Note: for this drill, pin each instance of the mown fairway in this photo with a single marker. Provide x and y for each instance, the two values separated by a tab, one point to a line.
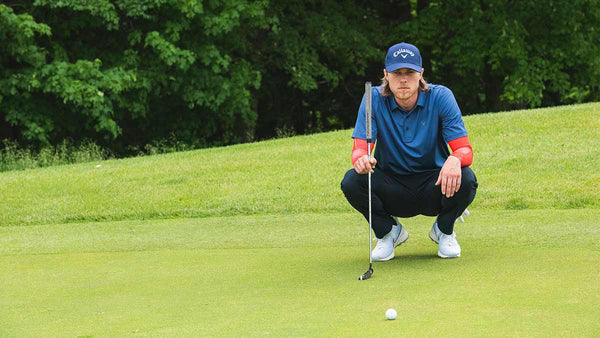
257	239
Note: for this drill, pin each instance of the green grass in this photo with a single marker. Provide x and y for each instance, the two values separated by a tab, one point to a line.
15	157
257	239
536	159
523	273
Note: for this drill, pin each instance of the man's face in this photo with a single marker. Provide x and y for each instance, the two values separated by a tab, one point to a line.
404	83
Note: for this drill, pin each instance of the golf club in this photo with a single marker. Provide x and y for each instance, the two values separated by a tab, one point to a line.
369	272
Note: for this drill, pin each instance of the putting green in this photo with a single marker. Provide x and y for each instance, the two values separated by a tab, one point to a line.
523	273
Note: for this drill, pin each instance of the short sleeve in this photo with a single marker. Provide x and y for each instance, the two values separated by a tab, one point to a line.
453	126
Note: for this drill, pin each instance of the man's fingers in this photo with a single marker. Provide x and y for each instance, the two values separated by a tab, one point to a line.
371	163
450	183
456	185
450	187
363	165
444	184
359	167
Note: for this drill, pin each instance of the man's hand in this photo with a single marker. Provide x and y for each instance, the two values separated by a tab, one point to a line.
362	165
450	176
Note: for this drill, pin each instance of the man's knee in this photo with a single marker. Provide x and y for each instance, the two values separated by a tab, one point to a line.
351	183
468	180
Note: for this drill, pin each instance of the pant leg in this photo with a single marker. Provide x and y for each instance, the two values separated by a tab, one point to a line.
388	197
449	209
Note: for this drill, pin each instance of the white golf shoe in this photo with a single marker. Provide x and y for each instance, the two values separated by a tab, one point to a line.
384	250
448	247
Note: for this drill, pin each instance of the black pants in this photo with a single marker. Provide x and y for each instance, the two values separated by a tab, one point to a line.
407	196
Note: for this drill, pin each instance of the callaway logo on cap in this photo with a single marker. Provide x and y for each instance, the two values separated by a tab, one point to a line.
403	55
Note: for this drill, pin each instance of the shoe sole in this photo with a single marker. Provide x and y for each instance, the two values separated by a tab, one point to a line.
400	240
384	259
444	256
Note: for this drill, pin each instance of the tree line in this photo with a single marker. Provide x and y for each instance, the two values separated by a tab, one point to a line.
124	73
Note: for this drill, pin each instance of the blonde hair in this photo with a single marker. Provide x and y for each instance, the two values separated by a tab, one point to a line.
385	86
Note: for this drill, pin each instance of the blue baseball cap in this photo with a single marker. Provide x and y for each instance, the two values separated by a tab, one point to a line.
403	55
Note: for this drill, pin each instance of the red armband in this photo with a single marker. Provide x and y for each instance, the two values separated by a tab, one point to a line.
461	148
359	149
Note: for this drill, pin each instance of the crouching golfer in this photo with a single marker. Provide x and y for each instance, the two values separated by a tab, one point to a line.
413	172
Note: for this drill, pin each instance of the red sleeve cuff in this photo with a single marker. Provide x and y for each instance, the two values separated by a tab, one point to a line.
461	148
359	149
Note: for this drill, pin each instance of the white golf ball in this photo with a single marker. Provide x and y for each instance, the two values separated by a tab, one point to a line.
390	314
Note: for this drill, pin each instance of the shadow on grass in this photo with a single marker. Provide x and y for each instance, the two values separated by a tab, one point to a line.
410	261
416	257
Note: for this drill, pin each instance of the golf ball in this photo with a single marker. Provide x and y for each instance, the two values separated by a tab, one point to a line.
390	314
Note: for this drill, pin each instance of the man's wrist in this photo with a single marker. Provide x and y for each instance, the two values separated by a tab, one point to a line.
456	156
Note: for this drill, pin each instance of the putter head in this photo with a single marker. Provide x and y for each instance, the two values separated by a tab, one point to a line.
366	275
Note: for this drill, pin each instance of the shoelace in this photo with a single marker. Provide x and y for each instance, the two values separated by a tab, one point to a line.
379	247
381	241
452	240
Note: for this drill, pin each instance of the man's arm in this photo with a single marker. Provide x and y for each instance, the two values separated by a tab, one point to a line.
450	175
455	133
360	160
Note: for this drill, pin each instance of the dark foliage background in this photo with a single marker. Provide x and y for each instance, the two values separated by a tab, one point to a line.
127	73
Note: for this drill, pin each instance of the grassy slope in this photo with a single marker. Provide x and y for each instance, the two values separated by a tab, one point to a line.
545	158
277	250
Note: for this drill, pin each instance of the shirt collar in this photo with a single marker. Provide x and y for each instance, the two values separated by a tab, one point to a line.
393	105
421	99
420	102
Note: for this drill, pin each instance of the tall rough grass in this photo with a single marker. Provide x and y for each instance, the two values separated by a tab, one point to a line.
15	157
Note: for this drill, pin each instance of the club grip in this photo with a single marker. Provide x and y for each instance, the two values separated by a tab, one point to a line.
368	110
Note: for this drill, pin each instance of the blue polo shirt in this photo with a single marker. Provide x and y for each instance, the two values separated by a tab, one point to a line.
416	141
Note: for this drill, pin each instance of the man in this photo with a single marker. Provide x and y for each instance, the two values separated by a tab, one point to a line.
413	173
